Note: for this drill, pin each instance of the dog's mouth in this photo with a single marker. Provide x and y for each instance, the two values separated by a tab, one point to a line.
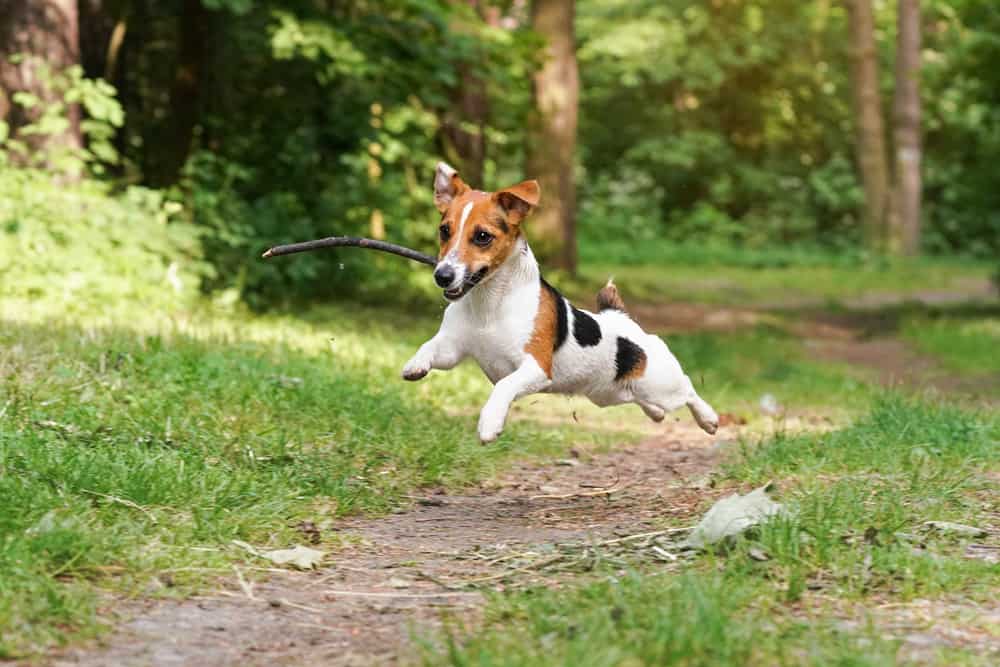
457	293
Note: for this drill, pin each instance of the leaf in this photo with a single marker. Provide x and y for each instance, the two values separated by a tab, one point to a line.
732	516
955	528
299	556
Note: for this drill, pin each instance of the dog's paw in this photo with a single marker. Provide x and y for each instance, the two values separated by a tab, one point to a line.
490	426
706	417
414	370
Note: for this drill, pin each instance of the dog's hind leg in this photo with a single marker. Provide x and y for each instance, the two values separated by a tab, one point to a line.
654	412
703	413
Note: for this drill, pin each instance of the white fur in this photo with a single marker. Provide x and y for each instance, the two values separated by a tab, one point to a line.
451	259
494	322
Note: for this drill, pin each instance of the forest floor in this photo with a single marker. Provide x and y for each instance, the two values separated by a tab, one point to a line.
464	561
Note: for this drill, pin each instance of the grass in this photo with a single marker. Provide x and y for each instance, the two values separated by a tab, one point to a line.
658	272
962	344
853	539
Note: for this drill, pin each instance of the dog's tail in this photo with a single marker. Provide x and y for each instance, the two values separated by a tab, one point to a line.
609	298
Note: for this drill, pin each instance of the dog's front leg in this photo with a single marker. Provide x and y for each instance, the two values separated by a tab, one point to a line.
439	352
527	379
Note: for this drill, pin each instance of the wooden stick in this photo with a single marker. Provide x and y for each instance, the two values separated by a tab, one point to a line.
344	241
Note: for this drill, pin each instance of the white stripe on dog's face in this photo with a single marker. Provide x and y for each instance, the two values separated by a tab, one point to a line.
451	259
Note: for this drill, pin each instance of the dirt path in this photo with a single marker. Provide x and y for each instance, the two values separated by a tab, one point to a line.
401	571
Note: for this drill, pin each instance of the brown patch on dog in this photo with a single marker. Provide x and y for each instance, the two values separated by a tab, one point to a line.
452	219
630	360
637	371
609	298
542	343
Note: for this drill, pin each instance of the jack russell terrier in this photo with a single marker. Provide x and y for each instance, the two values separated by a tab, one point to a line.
525	336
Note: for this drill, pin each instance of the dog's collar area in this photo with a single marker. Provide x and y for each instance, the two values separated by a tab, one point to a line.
458	292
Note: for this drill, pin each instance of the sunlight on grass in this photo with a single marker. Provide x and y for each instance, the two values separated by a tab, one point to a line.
963	344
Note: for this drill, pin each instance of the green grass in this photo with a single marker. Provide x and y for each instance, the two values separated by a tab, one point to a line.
963	344
659	272
121	448
857	497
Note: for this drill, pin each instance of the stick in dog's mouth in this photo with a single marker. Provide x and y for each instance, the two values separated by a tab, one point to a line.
349	241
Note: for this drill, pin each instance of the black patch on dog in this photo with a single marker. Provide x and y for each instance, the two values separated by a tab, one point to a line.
586	330
628	356
562	324
502	224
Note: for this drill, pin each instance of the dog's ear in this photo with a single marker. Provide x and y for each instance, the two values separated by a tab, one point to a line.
447	186
519	200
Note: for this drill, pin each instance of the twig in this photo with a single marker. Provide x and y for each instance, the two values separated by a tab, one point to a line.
407	596
296	605
123	501
352	241
244	584
507	573
664	554
639	536
578	494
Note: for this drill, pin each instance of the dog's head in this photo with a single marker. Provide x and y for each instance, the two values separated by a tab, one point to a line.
478	231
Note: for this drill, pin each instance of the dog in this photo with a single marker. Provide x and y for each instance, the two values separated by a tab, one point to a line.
525	336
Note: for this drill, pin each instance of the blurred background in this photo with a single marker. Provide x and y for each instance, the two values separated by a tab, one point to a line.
737	133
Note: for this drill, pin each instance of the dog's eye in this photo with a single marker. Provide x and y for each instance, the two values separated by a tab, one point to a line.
482	238
445	232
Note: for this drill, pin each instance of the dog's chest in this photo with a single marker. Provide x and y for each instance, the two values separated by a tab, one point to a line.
496	337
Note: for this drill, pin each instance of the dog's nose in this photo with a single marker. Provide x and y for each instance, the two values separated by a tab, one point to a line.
444	275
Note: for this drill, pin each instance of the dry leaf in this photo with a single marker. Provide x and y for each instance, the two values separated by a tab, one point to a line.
299	556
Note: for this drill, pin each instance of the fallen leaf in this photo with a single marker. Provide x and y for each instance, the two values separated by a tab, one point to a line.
732	516
299	556
955	528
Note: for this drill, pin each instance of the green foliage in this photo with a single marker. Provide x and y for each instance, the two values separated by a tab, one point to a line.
327	119
75	245
103	116
732	122
961	95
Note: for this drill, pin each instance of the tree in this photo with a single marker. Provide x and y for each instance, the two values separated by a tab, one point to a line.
869	127
464	130
551	138
185	94
904	232
41	32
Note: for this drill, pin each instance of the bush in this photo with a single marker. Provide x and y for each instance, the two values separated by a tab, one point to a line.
72	245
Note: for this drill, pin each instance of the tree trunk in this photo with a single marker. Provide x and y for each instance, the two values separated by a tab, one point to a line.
551	138
869	126
465	132
904	233
185	95
44	31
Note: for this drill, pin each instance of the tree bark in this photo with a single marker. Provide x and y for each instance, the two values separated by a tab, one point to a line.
551	141
44	31
185	95
465	131
869	125
904	232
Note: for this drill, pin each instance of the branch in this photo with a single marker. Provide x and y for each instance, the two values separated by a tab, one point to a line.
340	241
